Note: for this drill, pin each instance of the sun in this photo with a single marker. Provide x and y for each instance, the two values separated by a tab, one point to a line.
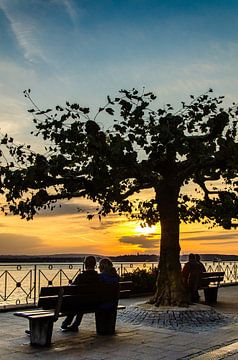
146	230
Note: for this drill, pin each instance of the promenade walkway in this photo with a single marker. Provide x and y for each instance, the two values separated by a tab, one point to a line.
139	335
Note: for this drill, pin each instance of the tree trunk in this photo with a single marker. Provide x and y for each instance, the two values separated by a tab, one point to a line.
170	290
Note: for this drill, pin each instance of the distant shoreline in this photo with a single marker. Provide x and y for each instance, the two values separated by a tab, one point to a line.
74	258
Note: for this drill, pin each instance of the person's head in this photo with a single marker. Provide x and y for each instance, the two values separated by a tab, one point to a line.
191	257
90	262
105	266
197	257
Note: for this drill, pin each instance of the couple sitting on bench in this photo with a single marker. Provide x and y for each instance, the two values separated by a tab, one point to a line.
192	276
107	274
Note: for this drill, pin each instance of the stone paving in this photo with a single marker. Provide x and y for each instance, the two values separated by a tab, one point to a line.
194	319
143	339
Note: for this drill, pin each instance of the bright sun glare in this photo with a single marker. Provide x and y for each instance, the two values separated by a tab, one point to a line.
145	230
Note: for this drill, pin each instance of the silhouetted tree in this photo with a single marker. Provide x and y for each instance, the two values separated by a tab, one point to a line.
149	148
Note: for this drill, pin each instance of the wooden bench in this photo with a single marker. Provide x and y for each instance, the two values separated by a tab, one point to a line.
210	282
57	301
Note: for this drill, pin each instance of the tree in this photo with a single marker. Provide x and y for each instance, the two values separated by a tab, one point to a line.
148	148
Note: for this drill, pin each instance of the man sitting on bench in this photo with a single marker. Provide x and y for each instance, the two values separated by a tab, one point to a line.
191	275
87	277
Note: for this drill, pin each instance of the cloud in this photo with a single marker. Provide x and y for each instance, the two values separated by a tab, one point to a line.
13	118
220	243
72	12
24	30
193	231
216	236
19	244
142	241
65	209
84	249
107	223
84	207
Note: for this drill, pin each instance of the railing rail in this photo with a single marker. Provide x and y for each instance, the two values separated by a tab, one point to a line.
21	283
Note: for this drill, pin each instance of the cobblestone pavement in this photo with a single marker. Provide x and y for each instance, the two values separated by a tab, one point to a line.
195	319
143	333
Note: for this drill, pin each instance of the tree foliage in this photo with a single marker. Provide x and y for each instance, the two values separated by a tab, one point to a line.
147	145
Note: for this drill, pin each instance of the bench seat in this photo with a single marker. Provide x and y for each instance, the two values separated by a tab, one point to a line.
58	301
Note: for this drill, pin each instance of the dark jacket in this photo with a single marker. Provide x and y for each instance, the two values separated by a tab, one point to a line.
87	277
191	274
109	279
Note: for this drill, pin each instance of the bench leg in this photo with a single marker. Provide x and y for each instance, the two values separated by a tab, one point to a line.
106	321
41	331
210	295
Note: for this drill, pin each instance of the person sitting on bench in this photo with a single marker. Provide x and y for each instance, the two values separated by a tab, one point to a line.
191	274
108	274
198	259
87	277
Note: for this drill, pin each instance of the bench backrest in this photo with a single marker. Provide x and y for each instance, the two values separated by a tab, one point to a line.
215	277
82	297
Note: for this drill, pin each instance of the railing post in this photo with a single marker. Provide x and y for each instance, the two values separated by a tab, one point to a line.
5	288
35	274
60	277
235	272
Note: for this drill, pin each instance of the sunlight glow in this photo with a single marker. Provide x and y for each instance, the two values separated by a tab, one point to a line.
145	230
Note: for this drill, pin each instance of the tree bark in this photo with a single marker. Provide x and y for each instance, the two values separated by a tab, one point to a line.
170	290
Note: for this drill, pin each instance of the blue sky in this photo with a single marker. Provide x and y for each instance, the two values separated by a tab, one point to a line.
86	49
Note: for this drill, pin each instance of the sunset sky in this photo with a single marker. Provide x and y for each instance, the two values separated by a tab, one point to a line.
83	50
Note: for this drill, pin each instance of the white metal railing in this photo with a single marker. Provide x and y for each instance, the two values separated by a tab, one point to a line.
21	283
